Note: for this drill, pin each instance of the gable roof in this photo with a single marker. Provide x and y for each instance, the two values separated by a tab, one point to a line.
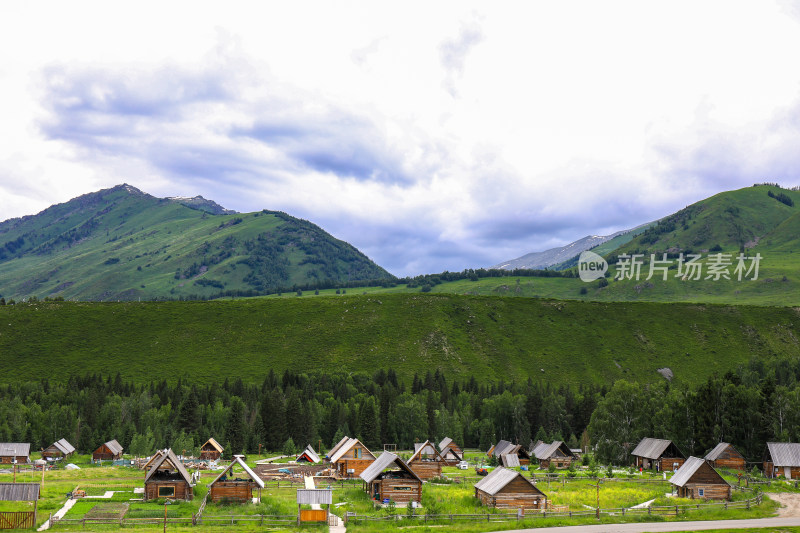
19	492
346	448
499	478
447	441
214	444
546	451
64	447
684	474
430	449
310	453
383	461
15	449
114	446
500	448
169	456
237	459
156	456
651	448
509	460
538	448
784	453
717	451
335	449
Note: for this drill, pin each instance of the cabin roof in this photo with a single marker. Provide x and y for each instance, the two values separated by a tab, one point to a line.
499	478
383	461
346	448
64	447
14	449
335	449
651	448
509	460
214	444
154	458
500	448
168	456
19	492
309	451
717	451
237	459
688	469
546	451
784	453
447	441
113	446
430	449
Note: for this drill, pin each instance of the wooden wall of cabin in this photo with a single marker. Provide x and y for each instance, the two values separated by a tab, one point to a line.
426	469
710	491
211	455
357	465
729	458
9	459
240	491
771	470
181	490
513	500
397	490
667	463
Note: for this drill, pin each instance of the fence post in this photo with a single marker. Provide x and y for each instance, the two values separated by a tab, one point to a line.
676	510
748	504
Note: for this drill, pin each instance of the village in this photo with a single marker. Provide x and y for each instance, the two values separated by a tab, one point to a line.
350	486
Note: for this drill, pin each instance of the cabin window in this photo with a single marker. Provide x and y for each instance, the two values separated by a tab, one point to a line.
164	492
358	453
701	492
401	488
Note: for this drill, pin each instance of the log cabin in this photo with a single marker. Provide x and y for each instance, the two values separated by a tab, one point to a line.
504	447
556	453
59	450
211	450
11	452
400	485
351	459
235	486
697	479
658	454
724	455
427	461
450	451
508	489
168	478
782	459
109	451
308	456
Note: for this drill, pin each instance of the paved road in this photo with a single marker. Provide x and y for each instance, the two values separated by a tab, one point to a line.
655	527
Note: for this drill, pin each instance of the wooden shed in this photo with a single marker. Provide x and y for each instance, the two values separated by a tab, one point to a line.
19	492
235	486
19	452
351	459
400	485
427	461
658	454
556	453
450	451
109	451
698	480
168	478
782	459
59	450
308	456
724	455
504	447
508	489
211	450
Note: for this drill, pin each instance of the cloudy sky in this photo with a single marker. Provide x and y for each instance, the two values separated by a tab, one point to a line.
431	135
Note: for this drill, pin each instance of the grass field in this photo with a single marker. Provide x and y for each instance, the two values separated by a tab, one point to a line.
490	338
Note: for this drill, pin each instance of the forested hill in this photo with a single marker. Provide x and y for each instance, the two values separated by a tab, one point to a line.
462	336
123	244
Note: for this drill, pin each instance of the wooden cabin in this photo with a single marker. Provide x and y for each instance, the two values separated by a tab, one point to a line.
155	457
504	447
15	452
59	450
724	455
782	459
658	454
450	451
351	459
556	453
427	461
211	450
168	478
109	451
508	489
400	485
308	456
697	479
235	487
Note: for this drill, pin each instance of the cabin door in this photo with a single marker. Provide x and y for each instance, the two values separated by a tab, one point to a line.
787	472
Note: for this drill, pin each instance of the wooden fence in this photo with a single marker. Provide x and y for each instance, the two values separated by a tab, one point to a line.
670	510
17	519
262	520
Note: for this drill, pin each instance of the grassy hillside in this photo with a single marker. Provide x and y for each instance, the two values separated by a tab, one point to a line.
488	337
121	243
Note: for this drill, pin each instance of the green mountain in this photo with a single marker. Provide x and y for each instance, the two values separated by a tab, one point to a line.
486	337
123	244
